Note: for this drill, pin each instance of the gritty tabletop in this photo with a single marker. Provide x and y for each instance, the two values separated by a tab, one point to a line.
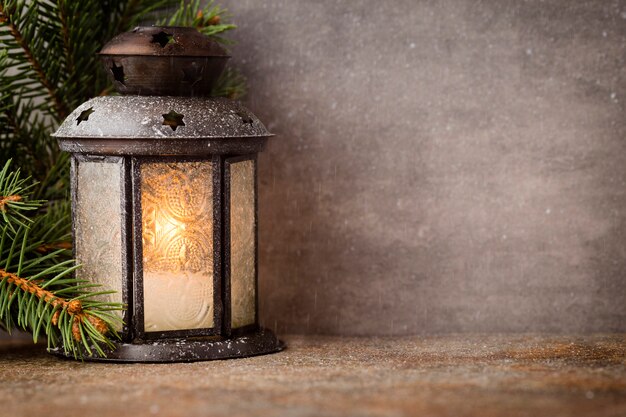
452	375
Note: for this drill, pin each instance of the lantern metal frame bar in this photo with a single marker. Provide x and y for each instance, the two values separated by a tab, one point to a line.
218	241
127	247
228	161
126	220
138	305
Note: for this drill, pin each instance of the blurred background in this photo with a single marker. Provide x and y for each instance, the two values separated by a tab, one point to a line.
439	166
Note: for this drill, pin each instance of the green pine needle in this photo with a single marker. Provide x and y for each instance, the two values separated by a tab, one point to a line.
14	197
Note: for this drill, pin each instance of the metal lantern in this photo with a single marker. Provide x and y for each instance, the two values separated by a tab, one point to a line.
164	195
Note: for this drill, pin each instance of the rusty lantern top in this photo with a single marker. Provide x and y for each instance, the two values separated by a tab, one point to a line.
164	74
136	125
163	61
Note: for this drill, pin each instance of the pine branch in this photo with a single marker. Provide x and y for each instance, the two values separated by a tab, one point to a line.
7	16
67	42
49	247
14	193
24	136
210	19
231	84
74	307
134	11
38	289
125	19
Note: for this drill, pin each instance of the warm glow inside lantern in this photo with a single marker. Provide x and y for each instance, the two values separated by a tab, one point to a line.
165	201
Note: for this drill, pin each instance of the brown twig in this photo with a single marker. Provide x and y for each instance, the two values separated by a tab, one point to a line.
48	247
106	91
8	199
73	307
52	92
66	40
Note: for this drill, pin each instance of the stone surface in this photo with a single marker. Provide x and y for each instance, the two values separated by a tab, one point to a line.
462	375
440	166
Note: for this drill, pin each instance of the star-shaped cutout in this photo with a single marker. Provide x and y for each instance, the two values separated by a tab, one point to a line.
192	74
118	73
244	117
84	115
163	38
173	120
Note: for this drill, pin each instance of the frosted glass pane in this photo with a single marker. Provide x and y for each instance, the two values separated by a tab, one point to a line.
177	236
242	244
98	226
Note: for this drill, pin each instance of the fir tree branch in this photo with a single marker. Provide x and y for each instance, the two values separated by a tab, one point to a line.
67	44
49	247
14	193
210	19
24	135
74	307
8	199
125	20
61	109
133	11
38	291
231	84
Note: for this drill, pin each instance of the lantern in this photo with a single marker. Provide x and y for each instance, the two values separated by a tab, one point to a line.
164	195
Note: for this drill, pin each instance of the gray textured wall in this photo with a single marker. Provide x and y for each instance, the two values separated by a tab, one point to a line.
440	166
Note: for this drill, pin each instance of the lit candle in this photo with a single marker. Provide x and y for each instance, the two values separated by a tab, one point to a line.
177	236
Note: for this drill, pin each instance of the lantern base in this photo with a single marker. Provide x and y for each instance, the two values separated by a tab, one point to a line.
193	349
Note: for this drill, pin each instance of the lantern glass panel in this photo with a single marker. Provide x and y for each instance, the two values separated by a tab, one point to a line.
98	225
242	243
177	237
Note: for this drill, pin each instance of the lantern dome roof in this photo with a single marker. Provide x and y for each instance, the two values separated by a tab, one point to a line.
151	125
